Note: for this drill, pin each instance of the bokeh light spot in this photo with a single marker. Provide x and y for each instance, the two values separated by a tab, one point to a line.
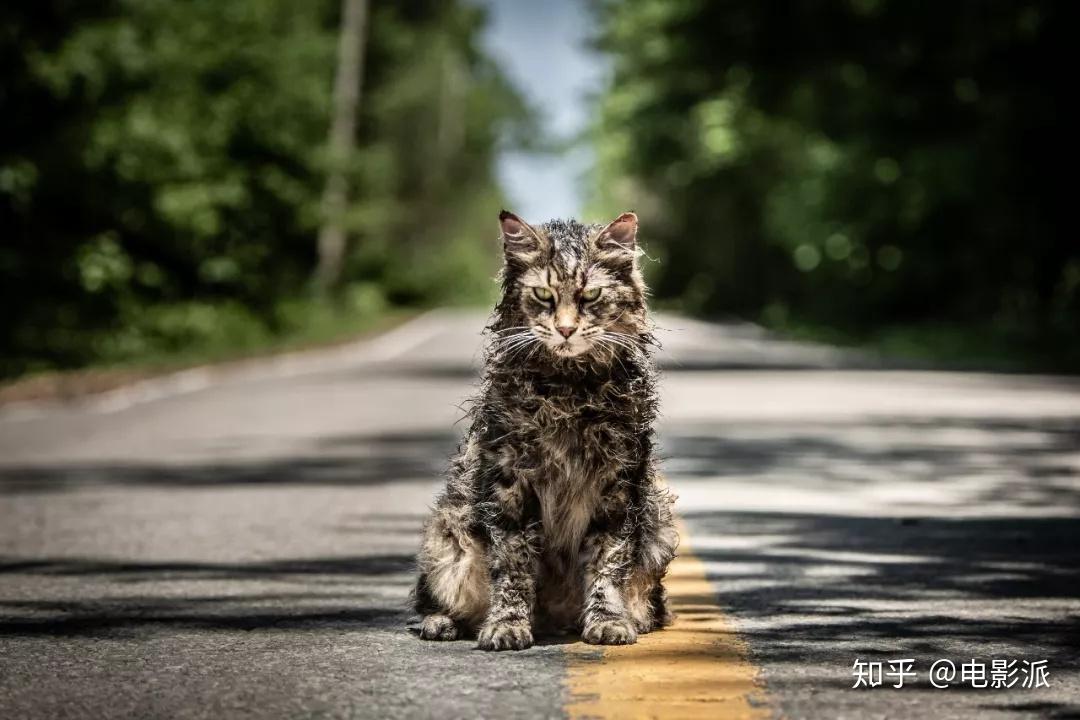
889	257
886	170
837	246
806	257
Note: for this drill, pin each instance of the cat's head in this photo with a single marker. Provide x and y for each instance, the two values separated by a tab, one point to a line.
574	290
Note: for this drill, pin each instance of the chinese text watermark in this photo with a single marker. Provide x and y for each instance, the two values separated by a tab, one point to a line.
944	673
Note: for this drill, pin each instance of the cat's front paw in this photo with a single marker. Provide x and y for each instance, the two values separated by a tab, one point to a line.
438	627
505	636
609	632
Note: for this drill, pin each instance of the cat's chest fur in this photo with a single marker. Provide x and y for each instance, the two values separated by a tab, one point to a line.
571	445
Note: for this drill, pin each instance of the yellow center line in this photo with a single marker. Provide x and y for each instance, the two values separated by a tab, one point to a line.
695	668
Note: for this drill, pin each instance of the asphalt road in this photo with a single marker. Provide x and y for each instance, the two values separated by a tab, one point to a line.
239	545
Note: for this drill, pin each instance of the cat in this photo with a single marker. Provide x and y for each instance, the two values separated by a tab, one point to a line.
554	516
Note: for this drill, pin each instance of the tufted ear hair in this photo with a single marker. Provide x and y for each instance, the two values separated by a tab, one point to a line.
619	237
520	241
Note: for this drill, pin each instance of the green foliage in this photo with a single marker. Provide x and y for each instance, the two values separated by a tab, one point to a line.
160	183
854	164
196	331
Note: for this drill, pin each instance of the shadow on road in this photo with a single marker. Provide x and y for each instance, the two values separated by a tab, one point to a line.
812	592
925	580
141	617
334	593
807	586
275	569
343	460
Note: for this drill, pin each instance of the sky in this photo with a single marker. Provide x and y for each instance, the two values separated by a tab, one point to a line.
542	47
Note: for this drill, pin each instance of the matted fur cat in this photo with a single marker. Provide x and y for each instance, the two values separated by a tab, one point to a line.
553	517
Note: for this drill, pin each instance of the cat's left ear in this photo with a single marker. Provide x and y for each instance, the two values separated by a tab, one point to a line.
619	237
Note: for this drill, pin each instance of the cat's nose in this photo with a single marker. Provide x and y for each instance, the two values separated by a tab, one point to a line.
566	330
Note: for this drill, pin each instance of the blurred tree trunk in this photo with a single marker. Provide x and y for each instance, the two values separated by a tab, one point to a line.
347	84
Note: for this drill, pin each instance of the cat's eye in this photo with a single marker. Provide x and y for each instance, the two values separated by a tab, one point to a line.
542	293
590	294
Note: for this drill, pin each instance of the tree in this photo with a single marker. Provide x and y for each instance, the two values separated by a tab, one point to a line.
855	163
162	182
347	93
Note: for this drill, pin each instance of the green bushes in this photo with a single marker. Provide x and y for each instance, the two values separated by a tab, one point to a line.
160	181
853	165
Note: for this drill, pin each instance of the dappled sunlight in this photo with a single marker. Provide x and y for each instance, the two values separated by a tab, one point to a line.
920	466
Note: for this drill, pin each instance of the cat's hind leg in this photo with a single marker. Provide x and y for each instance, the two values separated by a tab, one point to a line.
638	597
646	598
453	589
647	603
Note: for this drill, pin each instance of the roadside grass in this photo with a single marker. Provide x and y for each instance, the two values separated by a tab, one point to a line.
177	337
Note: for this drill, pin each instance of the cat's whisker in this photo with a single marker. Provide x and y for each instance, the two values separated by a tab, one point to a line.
614	354
605	347
625	341
513	338
520	346
625	336
620	342
511	347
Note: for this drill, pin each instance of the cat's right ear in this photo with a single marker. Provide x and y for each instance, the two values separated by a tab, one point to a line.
521	243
